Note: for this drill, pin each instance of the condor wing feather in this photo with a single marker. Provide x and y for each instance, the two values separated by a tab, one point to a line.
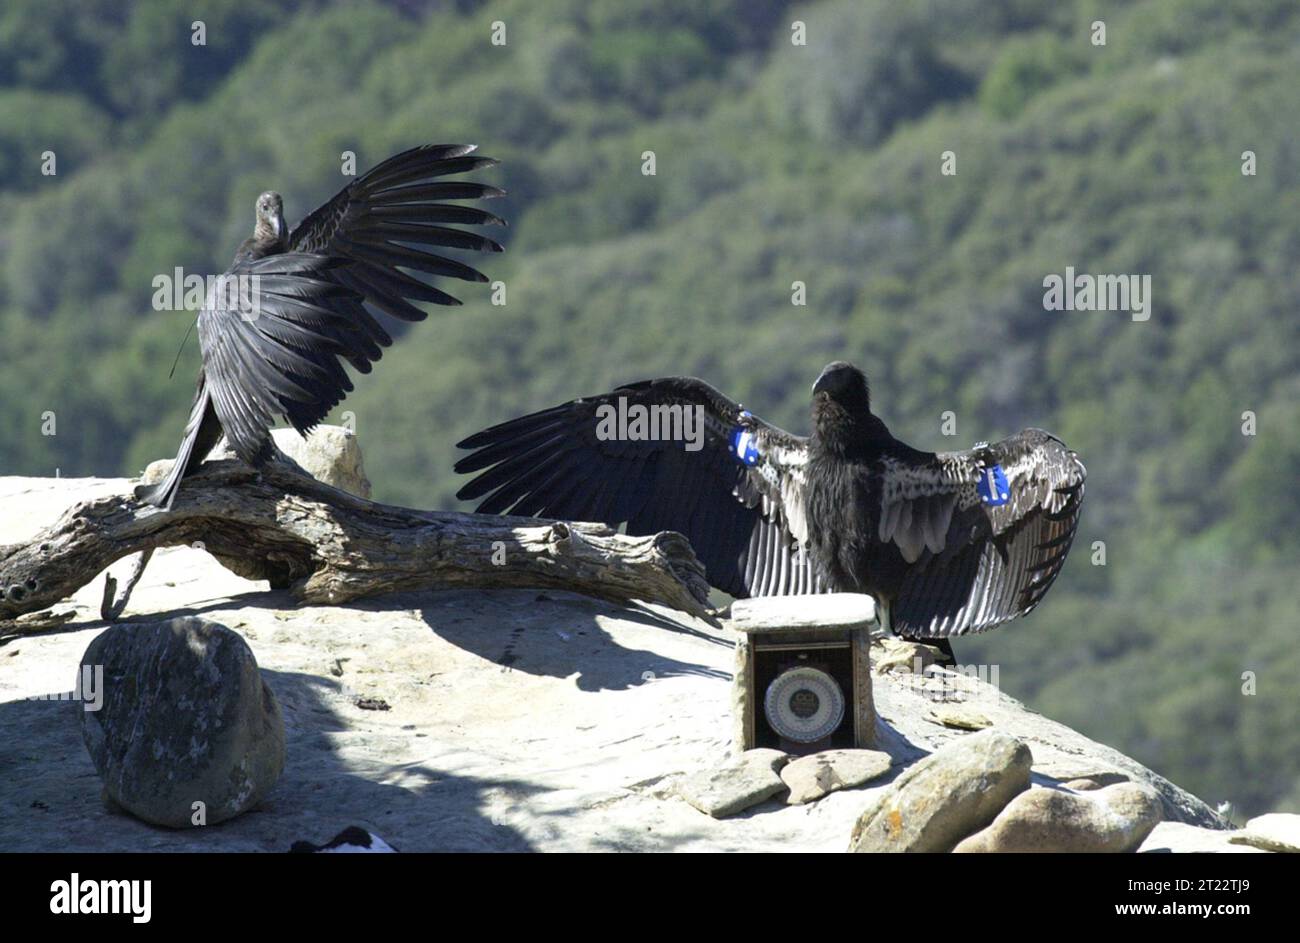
987	531
738	497
392	217
273	333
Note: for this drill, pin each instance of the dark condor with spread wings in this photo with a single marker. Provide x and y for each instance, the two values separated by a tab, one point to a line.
947	542
275	328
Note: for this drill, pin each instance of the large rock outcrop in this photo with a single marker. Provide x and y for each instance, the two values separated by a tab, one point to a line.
466	720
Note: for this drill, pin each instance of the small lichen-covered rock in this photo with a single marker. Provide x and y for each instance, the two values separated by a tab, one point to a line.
745	781
950	794
1170	837
959	717
890	653
1095	781
185	718
1275	831
330	454
1112	819
819	774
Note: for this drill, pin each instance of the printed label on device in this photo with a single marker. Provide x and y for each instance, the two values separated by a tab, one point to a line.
743	445
993	488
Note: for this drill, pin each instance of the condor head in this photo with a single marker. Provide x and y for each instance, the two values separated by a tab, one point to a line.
844	384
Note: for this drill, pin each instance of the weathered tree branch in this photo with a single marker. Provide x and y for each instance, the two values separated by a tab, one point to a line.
331	547
110	608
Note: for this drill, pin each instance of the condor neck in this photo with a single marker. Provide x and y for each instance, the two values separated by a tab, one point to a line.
254	248
266	242
848	431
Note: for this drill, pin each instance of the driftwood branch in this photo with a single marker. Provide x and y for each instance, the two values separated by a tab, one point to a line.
111	608
329	547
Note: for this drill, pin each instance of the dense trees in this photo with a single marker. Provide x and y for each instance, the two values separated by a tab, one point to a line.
775	163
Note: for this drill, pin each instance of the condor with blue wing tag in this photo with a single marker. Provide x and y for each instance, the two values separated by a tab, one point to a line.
993	488
743	445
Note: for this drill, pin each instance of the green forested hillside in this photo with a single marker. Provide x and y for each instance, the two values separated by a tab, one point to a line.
775	163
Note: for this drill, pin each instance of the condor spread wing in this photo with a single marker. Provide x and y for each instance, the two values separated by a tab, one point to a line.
987	531
737	492
273	333
390	218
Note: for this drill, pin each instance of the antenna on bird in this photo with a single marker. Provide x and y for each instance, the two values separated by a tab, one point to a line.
172	373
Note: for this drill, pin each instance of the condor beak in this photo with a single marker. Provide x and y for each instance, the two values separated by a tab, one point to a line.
818	386
278	221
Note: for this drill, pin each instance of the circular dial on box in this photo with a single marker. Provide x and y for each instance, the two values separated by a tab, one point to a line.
804	704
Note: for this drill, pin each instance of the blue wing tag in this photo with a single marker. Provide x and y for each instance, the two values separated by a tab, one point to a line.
993	488
743	445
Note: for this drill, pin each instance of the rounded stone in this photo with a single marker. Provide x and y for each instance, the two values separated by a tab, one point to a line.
957	790
1113	819
179	724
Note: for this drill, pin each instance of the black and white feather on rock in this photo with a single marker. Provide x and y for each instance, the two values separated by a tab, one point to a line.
352	840
948	543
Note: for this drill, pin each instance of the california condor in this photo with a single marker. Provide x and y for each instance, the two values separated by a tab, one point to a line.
947	542
274	330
